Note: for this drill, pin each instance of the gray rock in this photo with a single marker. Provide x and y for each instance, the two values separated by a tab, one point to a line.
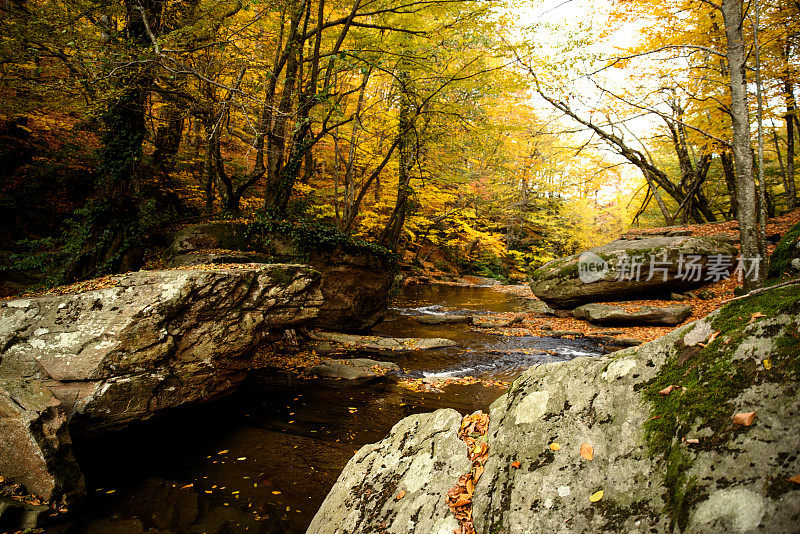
734	480
152	341
442	319
604	314
559	285
394	344
352	368
423	457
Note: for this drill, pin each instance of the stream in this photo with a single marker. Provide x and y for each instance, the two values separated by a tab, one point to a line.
263	459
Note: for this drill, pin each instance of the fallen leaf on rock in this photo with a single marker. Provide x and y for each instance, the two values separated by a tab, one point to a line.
587	451
276	492
755	316
187	486
795	479
223	452
516	465
596	496
693	441
555	446
400	495
712	338
767	364
744	419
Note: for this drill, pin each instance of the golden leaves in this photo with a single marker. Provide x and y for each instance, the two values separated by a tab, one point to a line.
400	495
596	496
516	465
555	446
459	497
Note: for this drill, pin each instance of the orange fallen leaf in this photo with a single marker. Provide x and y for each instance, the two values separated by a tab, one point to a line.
400	495
755	316
744	419
555	446
795	479
587	451
516	465
667	390
276	492
767	364
693	441
187	486
712	338
596	496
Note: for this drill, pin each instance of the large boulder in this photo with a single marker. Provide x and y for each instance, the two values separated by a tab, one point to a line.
603	314
150	341
609	272
657	428
785	259
398	485
356	280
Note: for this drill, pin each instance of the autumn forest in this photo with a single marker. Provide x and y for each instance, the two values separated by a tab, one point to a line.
491	136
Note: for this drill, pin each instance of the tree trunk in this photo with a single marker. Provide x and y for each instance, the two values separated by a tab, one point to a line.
746	198
407	150
791	110
730	180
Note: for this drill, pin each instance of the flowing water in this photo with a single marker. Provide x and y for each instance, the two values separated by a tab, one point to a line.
270	453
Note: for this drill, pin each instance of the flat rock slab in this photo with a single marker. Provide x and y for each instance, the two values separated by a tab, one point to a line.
443	319
394	344
645	315
496	322
353	368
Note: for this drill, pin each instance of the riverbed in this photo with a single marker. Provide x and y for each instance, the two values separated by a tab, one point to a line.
263	459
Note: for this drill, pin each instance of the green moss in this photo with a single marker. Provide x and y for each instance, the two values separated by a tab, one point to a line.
681	488
311	236
710	379
780	258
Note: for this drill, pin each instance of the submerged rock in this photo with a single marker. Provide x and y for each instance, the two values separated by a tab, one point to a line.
604	314
610	272
393	344
442	319
353	368
666	458
151	341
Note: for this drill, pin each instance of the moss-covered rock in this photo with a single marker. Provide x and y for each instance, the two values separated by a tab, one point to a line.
562	283
356	276
785	259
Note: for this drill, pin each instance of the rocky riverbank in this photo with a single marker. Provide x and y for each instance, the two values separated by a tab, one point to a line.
695	431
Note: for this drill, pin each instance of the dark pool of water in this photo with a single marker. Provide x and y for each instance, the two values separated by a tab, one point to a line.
275	448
